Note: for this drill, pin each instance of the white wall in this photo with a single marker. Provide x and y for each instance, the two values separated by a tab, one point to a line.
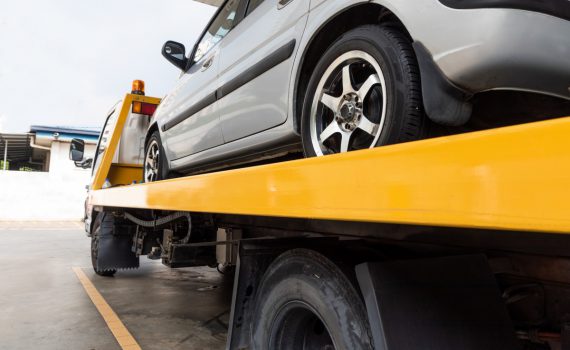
53	196
59	158
41	196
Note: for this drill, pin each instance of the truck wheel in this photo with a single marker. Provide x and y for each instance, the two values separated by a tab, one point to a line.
95	247
364	92
306	302
154	160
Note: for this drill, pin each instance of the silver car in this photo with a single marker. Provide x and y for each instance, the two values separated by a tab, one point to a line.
271	77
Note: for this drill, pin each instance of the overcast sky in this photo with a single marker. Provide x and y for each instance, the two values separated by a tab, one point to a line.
66	62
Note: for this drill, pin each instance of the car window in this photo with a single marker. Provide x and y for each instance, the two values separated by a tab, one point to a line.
219	28
253	5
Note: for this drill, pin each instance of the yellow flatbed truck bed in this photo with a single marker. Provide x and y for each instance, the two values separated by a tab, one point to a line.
474	226
513	178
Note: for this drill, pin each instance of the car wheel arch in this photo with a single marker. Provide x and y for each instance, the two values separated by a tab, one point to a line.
151	129
344	20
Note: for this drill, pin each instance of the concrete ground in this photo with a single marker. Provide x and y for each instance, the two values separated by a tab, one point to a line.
44	306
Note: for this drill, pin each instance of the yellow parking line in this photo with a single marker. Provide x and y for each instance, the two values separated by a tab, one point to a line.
120	332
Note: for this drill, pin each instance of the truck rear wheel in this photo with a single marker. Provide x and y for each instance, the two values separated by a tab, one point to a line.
306	302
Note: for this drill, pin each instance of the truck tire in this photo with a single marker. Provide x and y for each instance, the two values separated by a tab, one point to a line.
304	301
97	227
364	92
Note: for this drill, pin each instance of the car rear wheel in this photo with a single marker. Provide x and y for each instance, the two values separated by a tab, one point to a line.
364	92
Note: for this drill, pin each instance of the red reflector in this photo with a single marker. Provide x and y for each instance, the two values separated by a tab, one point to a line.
148	108
144	108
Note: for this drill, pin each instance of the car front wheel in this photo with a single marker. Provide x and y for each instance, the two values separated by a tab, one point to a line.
154	160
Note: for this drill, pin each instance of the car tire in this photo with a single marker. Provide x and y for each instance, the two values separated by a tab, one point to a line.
155	165
382	104
97	227
304	301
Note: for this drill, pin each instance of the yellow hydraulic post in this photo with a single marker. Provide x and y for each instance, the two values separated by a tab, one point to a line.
105	168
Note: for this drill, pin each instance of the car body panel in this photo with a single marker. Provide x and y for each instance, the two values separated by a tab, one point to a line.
480	49
261	103
195	131
476	49
255	147
508	49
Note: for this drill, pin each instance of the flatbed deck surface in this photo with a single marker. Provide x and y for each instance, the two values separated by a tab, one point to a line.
512	178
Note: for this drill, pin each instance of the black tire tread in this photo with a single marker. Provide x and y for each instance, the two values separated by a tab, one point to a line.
100	223
335	276
163	172
416	115
414	124
412	121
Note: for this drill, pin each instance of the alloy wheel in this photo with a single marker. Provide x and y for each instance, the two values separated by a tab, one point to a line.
349	107
152	162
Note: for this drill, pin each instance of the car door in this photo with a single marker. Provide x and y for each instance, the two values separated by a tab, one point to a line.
256	61
192	121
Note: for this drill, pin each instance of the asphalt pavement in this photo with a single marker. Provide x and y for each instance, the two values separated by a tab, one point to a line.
44	306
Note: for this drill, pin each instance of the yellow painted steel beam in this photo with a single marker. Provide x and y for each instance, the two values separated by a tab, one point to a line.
513	178
105	167
121	174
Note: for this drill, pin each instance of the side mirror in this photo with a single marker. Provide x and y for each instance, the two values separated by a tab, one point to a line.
85	164
175	53
76	150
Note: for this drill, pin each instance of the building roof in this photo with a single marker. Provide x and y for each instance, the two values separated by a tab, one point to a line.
85	131
45	135
20	150
18	147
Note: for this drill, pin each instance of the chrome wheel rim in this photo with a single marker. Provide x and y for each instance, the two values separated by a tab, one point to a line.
348	110
152	161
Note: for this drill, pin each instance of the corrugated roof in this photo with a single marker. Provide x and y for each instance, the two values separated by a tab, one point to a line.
18	147
87	131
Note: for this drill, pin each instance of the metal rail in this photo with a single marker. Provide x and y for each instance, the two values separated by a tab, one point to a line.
513	178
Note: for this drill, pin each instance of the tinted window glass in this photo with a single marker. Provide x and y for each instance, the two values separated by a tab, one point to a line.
104	138
218	29
253	5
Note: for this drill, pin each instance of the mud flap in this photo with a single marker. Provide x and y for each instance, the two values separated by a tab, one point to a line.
435	304
114	249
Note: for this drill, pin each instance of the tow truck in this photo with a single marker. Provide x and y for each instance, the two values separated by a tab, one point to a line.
455	242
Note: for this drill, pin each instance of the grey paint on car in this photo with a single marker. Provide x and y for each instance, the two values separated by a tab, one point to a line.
476	49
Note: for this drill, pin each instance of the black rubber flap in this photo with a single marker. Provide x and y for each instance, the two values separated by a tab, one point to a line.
115	252
439	303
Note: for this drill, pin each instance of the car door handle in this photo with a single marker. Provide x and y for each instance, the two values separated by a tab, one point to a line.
208	63
282	3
